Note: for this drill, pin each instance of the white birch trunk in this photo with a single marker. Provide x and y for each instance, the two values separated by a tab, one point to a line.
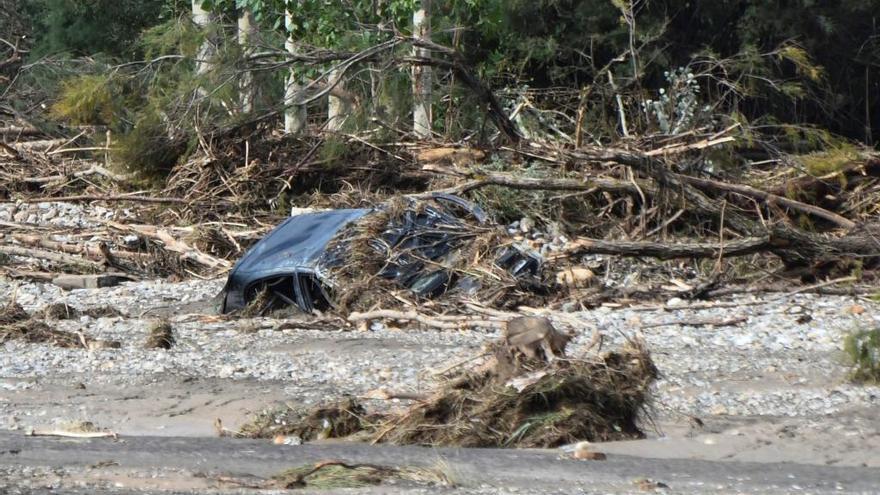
421	74
338	108
247	31
202	18
294	115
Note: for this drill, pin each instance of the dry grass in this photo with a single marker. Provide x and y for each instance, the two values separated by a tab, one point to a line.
338	475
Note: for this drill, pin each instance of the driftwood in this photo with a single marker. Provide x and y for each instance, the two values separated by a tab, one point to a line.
535	184
739	247
72	434
108	198
443	322
19	131
54	257
768	198
793	246
95	169
40	145
93	252
185	251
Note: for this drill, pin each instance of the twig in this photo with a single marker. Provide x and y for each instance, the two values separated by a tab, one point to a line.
441	322
74	150
808	288
72	434
111	198
711	322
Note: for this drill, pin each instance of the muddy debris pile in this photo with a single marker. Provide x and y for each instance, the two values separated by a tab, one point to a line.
524	392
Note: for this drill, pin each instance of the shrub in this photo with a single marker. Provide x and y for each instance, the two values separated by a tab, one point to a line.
862	347
88	99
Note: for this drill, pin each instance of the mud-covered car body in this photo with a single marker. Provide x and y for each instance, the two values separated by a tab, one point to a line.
295	261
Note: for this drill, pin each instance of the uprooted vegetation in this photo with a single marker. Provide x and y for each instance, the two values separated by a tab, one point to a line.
17	325
862	348
337	474
510	399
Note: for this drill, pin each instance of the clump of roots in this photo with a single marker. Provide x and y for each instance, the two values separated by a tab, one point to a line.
60	311
17	324
337	420
161	336
12	312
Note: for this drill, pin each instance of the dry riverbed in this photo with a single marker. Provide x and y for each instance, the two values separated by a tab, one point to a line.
769	389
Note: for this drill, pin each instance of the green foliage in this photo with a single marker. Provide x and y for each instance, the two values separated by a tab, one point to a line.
797	62
175	36
862	347
832	160
147	150
87	27
508	205
89	99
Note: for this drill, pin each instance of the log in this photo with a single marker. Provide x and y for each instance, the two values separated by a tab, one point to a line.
93	252
441	322
739	247
51	256
19	131
796	248
536	184
185	251
768	198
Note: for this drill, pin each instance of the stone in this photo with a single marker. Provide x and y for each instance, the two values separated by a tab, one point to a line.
69	282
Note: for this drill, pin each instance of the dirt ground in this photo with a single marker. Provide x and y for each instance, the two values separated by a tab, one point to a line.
167	440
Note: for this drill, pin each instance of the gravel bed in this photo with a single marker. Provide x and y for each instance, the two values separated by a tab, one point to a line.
768	365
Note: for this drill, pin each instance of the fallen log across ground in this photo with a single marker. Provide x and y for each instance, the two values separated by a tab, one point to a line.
667	251
62	258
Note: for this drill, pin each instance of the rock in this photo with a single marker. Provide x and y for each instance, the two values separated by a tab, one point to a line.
570	307
70	282
226	371
576	276
287	440
855	309
104	344
676	302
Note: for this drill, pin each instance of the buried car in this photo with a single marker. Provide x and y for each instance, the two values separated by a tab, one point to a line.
424	246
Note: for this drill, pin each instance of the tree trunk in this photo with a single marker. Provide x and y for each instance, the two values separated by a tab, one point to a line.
247	30
338	108
202	18
421	74
294	115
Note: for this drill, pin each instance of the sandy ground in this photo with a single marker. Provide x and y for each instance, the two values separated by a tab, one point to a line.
818	434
